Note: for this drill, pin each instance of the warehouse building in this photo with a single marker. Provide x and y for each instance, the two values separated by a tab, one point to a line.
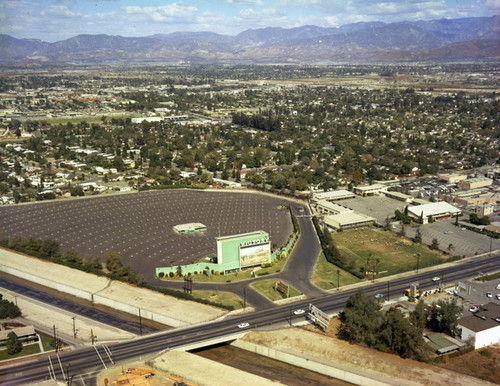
483	327
436	210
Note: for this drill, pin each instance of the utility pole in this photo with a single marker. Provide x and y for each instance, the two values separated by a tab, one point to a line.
140	322
388	290
92	335
290	315
244	298
55	337
338	279
67	374
74	329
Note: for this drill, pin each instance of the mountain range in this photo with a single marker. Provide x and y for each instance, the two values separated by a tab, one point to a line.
443	39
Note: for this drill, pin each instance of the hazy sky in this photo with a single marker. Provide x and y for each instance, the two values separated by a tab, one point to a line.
53	20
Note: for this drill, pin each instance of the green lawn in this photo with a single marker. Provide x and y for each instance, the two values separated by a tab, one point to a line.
47	342
266	288
395	254
220	297
27	350
325	275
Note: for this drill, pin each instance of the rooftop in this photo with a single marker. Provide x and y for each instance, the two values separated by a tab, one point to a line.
433	209
483	319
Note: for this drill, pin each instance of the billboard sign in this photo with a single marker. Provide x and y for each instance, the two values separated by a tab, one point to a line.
283	288
319	316
254	254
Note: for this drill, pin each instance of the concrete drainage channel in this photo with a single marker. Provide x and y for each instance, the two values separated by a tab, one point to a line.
310	363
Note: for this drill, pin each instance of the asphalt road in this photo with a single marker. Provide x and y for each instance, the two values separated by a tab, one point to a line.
78	309
85	363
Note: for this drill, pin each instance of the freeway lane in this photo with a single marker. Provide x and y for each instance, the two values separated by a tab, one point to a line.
91	359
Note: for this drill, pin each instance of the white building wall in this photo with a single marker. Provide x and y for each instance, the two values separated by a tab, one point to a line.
487	337
481	338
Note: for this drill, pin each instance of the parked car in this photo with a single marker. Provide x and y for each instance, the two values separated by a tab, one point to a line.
243	325
498	286
474	309
489	295
498	296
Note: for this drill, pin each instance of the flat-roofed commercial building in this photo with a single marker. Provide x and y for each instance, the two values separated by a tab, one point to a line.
334	195
436	210
348	220
329	208
483	327
399	196
469	197
484	210
475	183
370	189
452	178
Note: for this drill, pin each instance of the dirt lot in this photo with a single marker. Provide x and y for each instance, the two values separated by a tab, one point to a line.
477	364
309	341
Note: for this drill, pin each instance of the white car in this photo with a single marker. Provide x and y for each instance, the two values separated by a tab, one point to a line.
298	312
243	325
436	278
474	309
489	295
498	296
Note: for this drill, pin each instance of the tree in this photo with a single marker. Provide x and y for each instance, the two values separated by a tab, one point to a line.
400	336
76	190
8	309
50	248
361	319
419	316
13	344
435	244
444	316
418	236
387	224
114	262
451	247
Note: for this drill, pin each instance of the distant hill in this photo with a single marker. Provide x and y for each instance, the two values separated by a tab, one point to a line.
444	39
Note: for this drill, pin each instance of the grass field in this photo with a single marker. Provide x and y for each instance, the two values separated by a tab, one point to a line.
394	253
325	275
220	297
266	288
